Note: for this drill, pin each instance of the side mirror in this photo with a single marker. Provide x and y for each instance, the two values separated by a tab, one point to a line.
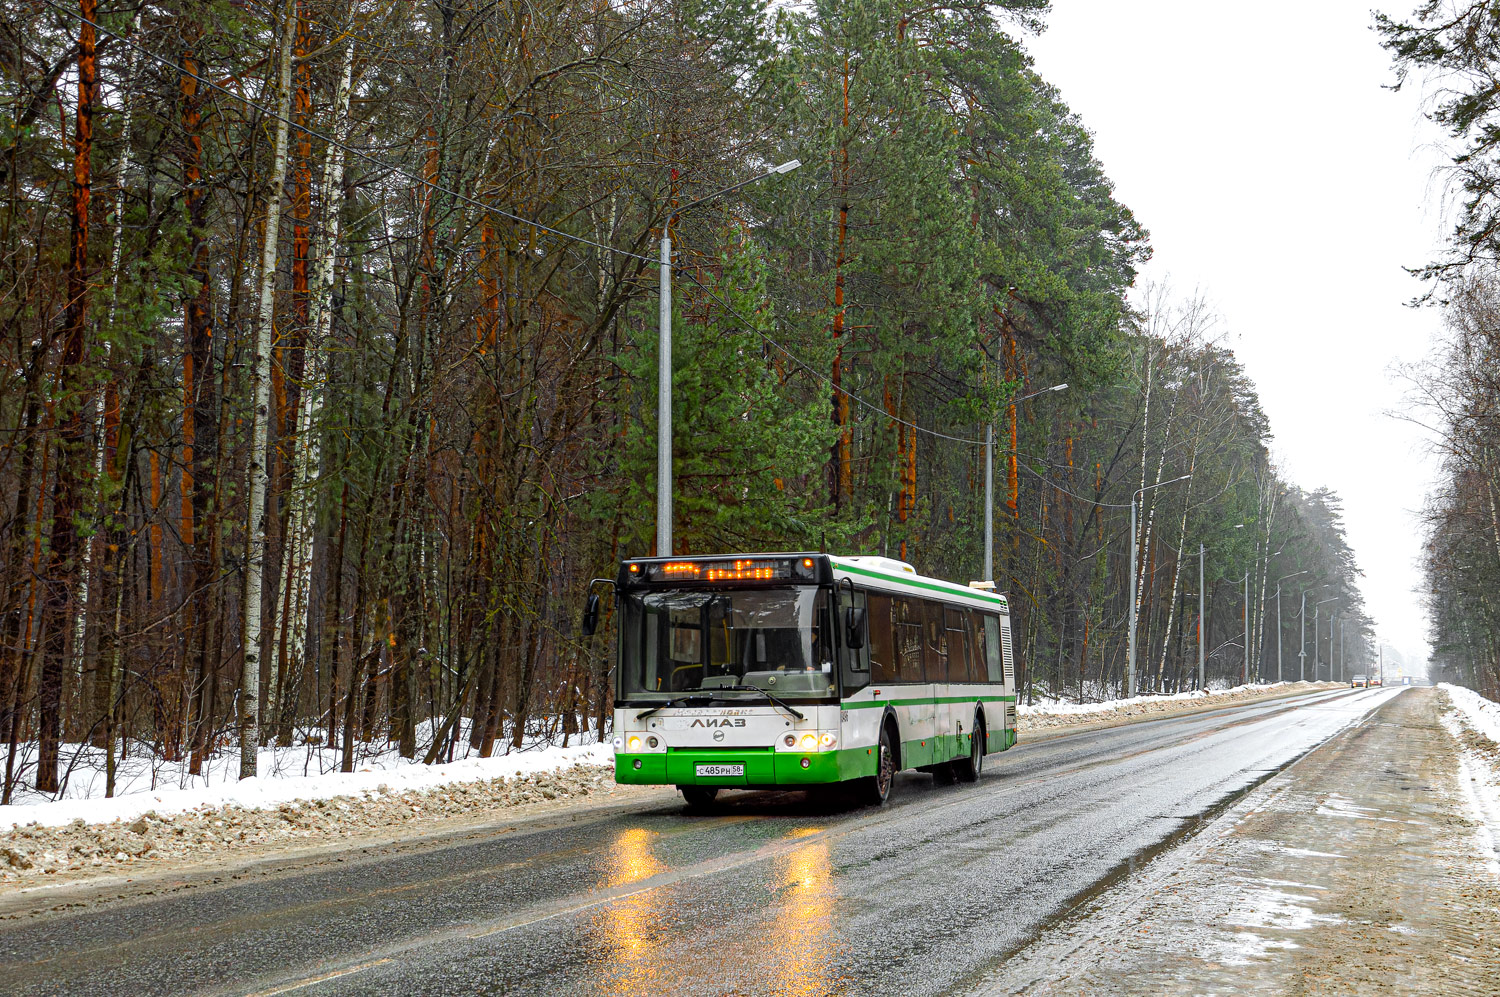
590	616
854	627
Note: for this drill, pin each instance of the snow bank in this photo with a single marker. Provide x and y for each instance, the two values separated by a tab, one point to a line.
1479	762
1481	714
1057	707
144	784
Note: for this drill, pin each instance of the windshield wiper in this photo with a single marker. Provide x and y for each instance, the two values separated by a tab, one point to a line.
699	697
776	700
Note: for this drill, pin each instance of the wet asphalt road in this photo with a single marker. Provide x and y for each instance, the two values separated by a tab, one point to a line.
778	893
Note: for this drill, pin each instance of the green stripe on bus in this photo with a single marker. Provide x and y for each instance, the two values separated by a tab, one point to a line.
967	593
934	701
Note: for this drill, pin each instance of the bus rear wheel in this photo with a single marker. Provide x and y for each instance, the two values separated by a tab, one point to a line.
968	769
699	797
874	790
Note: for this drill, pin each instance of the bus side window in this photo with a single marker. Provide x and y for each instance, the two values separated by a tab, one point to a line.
906	626
881	641
857	661
976	628
936	644
959	669
993	664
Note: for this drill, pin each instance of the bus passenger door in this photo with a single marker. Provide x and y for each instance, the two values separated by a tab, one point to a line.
994	662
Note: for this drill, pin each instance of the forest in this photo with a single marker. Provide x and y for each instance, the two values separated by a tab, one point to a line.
328	364
1454	394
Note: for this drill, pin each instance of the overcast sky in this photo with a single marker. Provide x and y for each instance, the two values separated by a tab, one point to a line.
1281	181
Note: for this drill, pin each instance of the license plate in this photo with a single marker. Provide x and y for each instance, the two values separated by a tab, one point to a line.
719	769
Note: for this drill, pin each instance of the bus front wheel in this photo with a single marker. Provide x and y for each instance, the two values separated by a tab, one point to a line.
874	790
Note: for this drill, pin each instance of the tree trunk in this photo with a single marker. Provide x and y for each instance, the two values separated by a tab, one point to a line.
70	486
260	378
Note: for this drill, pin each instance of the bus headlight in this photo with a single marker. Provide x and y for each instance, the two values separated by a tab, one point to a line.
619	743
809	742
790	740
827	740
635	743
651	741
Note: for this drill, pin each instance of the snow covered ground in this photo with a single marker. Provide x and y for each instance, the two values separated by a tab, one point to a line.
1480	713
145	783
1048	713
1070	708
1475	724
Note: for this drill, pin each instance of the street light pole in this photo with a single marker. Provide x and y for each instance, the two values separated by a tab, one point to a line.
1200	617
664	362
989	485
1341	647
664	401
1245	668
989	504
1283	578
1302	641
1317	608
1134	566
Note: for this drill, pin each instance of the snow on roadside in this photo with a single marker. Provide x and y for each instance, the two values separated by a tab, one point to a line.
382	773
1480	713
1475	723
1045	713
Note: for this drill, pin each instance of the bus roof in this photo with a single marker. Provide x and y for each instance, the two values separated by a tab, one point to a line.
871	571
898	576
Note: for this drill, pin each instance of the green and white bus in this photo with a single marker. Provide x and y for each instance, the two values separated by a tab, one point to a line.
792	670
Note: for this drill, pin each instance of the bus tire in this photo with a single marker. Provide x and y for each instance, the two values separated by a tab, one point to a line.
699	798
968	769
874	790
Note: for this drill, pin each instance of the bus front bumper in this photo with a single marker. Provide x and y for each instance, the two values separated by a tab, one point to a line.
761	767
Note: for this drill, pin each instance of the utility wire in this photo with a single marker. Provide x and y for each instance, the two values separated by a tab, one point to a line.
750	326
353	150
559	233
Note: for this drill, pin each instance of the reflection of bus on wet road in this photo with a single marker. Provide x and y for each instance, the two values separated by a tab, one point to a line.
794	670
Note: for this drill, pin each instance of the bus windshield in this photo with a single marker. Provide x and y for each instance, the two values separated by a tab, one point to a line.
682	641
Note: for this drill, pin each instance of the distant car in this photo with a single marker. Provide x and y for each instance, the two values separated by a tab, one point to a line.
1374	680
1358	681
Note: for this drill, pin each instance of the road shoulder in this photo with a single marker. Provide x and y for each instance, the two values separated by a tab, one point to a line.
1361	869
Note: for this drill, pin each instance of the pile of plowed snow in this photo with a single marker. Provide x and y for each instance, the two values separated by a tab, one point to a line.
1047	714
36	850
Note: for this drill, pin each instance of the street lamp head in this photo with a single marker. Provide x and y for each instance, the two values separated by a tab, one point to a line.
1059	387
787	167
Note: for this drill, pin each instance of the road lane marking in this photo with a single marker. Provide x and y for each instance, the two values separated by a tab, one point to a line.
325	977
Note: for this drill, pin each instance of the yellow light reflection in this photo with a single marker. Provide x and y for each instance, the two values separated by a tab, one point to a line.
629	928
803	924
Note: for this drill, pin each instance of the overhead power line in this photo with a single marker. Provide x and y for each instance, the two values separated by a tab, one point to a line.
351	149
432	185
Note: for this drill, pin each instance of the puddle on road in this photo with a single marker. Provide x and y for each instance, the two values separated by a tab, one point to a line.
1259	907
1245	948
647	944
1339	806
1299	853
